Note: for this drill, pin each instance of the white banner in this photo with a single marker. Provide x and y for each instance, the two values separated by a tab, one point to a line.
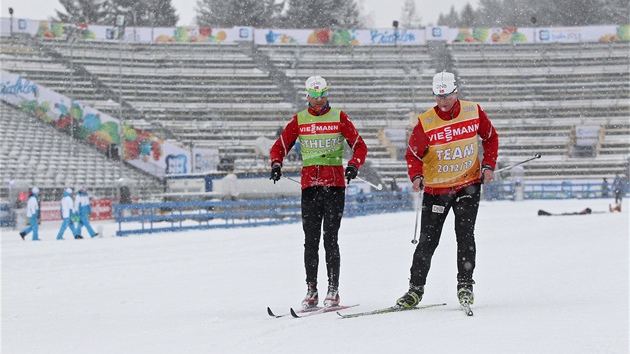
139	148
205	160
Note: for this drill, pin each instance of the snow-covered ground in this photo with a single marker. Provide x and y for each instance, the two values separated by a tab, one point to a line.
544	285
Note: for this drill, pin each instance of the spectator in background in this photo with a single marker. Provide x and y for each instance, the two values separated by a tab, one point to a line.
322	131
83	208
125	195
66	214
605	188
617	187
32	213
394	186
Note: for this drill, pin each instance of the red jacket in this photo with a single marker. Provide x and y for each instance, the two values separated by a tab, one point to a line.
329	176
419	142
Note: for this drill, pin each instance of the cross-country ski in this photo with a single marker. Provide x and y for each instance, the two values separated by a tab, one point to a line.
318	311
388	310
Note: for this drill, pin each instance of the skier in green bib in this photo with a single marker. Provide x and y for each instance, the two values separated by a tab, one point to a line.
321	131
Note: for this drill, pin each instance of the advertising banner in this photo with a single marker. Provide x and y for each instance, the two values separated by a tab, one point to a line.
183	34
205	160
582	34
387	37
101	210
139	148
337	37
50	211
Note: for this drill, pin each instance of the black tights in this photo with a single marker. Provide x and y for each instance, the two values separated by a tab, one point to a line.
435	208
322	204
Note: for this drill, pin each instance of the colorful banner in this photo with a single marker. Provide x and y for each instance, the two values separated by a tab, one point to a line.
353	37
139	148
184	34
494	35
388	37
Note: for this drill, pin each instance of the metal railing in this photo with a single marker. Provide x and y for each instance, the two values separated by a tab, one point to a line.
181	216
551	190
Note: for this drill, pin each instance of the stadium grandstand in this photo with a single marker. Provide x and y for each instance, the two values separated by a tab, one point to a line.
228	96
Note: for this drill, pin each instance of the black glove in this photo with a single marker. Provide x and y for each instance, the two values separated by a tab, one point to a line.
275	173
421	178
351	172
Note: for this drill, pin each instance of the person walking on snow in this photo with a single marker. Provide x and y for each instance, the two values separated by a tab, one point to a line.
84	209
443	160
321	131
32	213
617	187
66	214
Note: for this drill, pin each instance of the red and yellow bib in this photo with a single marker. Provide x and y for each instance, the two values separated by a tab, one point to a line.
452	158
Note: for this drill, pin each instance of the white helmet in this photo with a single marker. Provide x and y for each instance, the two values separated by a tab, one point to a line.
35	190
316	83
69	190
444	83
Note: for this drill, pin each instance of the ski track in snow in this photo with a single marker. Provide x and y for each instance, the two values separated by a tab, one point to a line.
544	285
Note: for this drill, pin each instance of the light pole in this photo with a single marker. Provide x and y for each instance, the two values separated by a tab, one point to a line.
151	19
11	26
72	38
120	24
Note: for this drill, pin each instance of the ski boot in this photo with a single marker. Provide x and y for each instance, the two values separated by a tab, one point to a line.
465	292
332	297
312	298
412	297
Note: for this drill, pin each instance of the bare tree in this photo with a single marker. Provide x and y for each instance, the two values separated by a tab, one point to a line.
410	18
332	14
149	13
82	11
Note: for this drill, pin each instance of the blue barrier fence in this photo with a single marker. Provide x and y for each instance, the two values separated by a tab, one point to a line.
181	216
7	215
557	190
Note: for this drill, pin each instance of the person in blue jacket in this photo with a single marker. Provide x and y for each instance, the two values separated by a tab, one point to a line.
32	213
66	214
84	209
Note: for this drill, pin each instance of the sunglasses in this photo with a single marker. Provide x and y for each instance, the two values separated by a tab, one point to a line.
317	94
444	95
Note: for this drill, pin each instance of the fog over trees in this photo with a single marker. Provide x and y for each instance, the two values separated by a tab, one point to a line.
338	14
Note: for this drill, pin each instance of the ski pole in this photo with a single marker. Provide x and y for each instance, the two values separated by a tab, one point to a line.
536	156
415	230
379	187
291	179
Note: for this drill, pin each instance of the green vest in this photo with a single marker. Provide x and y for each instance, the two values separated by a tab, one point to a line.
321	140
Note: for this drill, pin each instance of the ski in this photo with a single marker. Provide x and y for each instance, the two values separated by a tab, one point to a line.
318	310
270	313
466	307
388	310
